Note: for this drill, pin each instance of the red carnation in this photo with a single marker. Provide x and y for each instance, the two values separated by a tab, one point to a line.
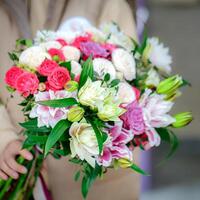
56	54
62	41
58	78
12	74
81	39
47	67
27	83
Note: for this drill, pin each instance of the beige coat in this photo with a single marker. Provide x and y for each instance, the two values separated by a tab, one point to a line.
117	185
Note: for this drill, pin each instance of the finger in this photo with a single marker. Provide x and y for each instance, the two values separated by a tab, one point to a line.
15	166
3	176
10	172
26	154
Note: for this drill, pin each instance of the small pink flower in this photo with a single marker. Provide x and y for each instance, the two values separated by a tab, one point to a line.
58	78
47	67
57	52
11	76
62	42
27	83
133	118
81	39
116	146
93	49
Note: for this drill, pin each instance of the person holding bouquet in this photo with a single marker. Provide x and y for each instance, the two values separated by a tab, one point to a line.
22	19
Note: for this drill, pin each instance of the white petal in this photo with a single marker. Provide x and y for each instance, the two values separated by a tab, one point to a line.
71	53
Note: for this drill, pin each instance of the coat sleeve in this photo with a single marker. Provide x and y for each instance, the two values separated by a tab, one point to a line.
120	12
7	130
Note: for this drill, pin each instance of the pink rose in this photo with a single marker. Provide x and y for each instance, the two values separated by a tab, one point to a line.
27	83
133	118
47	67
12	74
56	54
58	78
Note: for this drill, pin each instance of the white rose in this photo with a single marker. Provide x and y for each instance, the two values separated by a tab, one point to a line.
76	68
33	57
159	55
71	53
83	142
103	66
125	63
51	44
126	93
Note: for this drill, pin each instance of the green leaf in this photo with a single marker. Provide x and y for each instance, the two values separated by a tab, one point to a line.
186	83
59	103
55	134
99	135
139	170
33	127
77	175
66	65
169	137
85	186
107	77
86	72
114	82
24	42
13	56
75	160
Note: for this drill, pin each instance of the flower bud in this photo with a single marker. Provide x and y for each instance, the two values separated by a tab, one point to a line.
75	114
71	86
170	85
124	163
42	87
182	119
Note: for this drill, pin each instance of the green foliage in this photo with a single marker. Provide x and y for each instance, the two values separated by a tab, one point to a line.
66	65
24	42
99	134
56	134
90	175
87	72
13	56
59	103
32	126
139	170
77	175
106	77
114	82
169	137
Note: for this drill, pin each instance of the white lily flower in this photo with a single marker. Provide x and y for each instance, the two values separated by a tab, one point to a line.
83	142
153	78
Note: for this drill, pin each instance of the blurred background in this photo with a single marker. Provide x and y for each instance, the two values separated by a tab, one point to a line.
177	24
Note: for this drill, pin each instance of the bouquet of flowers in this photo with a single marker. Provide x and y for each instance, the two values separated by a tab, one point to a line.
93	96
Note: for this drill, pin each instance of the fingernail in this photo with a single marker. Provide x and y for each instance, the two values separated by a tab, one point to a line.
15	175
24	170
29	156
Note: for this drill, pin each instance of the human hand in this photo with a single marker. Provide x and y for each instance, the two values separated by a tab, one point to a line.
8	163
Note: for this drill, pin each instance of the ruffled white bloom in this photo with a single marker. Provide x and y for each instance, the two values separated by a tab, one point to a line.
92	94
48	116
44	36
159	55
97	35
116	36
33	57
124	62
155	110
126	93
153	78
76	68
71	53
103	66
83	142
50	44
69	37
